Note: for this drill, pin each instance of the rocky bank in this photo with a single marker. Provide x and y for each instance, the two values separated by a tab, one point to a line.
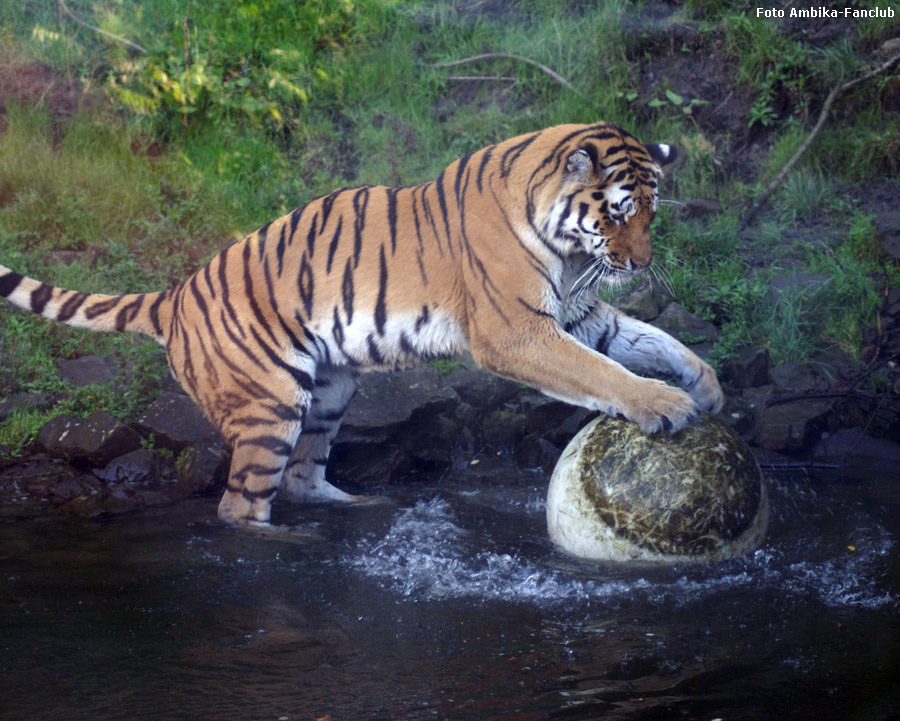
422	423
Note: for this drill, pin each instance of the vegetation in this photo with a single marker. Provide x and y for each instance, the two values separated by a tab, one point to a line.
221	116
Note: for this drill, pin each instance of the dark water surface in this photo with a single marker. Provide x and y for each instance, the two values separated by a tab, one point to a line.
448	602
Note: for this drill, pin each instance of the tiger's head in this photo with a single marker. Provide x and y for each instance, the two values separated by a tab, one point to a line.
601	199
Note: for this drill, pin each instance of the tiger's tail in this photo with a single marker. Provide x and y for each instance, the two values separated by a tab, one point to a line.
135	312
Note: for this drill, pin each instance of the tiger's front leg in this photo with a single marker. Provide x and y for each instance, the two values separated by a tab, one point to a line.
641	346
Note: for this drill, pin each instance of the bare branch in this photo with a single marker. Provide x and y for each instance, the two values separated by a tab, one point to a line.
826	108
509	56
127	43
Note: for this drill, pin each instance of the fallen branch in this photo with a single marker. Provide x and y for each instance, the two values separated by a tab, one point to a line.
510	56
823	115
127	43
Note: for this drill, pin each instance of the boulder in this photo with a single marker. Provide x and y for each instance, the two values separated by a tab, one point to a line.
138	466
202	468
92	442
749	369
699	208
25	401
887	230
175	422
688	328
88	370
792	427
642	301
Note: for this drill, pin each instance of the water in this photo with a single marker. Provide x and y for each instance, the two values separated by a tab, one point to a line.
448	602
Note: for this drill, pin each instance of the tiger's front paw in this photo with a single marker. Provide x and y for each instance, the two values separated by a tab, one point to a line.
704	388
662	407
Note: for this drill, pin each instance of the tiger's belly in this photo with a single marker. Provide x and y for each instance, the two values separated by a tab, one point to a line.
401	341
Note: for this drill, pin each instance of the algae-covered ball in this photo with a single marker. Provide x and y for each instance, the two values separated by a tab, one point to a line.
618	494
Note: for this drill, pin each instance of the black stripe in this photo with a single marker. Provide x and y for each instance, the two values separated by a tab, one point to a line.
243	348
347	291
226	292
327	204
536	311
305	285
207	276
429	216
422	319
279	250
334	244
380	304
461	168
104	306
311	236
360	202
273	444
154	313
512	154
129	313
442	199
392	219
71	306
261	234
482	165
302	378
295	219
40	296
251	297
337	330
374	353
9	282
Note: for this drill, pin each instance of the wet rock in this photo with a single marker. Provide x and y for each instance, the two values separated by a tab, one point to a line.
365	464
202	468
25	401
88	370
386	401
551	419
792	427
749	369
852	445
175	422
537	452
887	230
504	428
699	208
93	442
40	484
139	466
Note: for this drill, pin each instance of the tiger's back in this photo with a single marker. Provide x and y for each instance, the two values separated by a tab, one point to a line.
271	335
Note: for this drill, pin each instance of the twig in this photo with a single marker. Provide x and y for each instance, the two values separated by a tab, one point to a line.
510	56
128	43
480	77
823	115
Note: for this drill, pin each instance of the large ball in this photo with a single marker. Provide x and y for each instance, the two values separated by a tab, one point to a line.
617	494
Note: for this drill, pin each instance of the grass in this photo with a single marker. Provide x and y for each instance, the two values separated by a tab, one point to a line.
254	108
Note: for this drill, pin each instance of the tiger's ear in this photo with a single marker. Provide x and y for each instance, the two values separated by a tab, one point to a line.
581	164
661	153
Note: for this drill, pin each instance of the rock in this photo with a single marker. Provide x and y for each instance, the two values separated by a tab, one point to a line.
175	422
887	230
803	284
139	466
385	401
537	452
699	208
852	445
481	389
749	369
202	468
642	301
551	419
889	48
617	494
794	377
93	442
25	401
88	370
690	329
792	427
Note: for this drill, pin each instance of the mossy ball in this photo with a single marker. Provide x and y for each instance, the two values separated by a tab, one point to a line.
618	494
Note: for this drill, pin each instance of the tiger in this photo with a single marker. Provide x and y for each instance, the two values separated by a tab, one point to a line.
493	257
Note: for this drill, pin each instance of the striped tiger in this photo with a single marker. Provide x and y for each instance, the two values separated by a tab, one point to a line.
493	257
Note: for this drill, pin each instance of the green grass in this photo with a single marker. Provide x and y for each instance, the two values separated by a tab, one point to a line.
245	110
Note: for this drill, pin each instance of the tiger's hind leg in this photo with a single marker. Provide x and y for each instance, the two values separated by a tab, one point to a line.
262	436
304	476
